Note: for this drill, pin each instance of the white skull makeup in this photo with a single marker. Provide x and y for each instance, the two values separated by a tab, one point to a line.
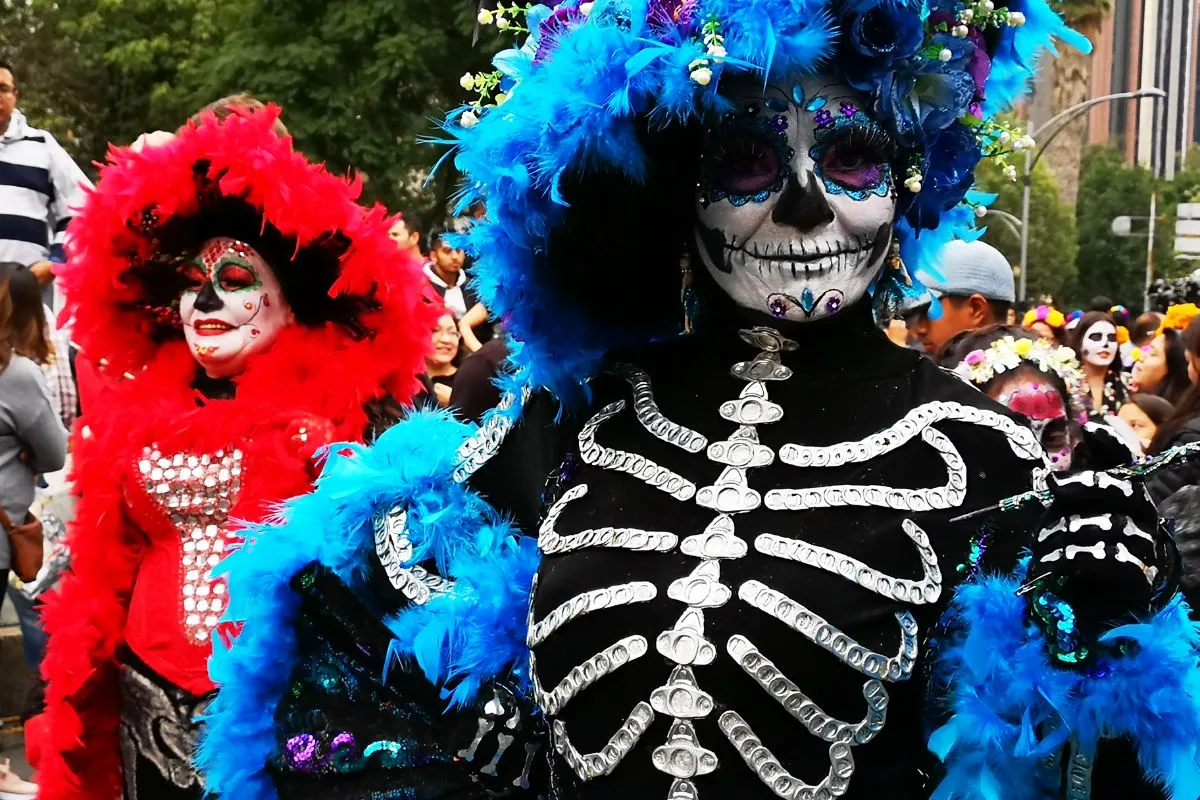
796	198
232	306
1100	344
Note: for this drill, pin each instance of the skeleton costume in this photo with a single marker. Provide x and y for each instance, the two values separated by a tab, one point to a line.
256	312
724	564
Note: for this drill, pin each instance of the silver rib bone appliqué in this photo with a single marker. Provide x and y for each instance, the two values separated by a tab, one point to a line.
682	697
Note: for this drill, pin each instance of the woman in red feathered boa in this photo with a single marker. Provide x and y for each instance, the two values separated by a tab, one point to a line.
243	310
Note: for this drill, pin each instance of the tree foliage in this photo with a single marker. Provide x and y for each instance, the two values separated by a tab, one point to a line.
1052	243
1113	265
360	81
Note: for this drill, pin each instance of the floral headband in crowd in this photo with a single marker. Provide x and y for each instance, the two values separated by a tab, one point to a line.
981	367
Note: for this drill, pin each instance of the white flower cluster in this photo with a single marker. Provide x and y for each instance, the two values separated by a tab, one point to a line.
714	45
1006	354
914	180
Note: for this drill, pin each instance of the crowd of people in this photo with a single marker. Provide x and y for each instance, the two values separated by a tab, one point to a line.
359	510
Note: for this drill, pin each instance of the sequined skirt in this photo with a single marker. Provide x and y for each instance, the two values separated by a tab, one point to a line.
158	735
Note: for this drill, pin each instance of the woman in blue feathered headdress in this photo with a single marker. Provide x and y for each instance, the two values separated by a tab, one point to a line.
751	576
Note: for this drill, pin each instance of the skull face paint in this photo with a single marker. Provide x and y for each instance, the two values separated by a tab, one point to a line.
796	198
232	306
1043	405
1100	344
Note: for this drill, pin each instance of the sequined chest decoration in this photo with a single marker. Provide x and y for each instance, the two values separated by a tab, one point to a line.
196	491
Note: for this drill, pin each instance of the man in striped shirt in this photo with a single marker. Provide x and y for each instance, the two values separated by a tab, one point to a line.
40	186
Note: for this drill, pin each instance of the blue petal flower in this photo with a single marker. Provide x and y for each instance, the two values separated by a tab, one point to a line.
922	95
949	171
876	36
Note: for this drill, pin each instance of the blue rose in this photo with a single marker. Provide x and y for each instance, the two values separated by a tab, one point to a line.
876	36
949	172
923	95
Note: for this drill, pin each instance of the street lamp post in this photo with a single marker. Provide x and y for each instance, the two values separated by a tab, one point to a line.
1032	156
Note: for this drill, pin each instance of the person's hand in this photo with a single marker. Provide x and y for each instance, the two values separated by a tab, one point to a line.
1098	559
43	271
442	392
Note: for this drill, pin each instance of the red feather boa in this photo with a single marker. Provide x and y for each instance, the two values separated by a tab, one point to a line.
321	375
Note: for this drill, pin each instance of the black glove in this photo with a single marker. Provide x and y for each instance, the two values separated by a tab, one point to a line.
1100	558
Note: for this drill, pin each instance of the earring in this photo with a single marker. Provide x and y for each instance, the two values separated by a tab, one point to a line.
688	298
896	264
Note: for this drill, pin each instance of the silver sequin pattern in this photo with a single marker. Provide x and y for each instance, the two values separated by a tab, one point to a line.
638	466
681	697
551	543
394	550
197	492
581	677
485	442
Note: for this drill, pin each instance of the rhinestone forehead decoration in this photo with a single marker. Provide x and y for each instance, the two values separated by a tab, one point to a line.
197	491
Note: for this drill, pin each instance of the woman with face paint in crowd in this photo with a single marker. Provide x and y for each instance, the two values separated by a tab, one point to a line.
1095	341
1162	367
700	548
243	311
1043	382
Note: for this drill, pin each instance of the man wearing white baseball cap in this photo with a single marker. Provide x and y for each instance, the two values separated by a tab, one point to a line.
975	289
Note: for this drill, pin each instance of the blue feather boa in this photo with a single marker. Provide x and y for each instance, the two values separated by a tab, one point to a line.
1011	707
411	465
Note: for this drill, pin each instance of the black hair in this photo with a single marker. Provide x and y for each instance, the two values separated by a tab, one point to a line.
1101	303
1187	404
589	267
1176	383
1079	331
306	275
437	237
6	64
1153	406
1145	327
27	326
413	225
999	308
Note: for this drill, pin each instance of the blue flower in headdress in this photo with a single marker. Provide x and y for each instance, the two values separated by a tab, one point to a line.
949	171
877	34
923	94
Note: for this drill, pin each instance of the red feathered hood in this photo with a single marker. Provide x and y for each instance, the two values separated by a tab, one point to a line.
128	235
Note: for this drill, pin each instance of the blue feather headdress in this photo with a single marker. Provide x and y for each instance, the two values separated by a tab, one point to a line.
594	85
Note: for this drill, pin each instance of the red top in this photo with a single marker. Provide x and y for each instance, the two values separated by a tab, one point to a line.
139	573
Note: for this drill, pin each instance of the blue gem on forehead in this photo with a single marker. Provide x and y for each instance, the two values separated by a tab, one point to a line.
798	93
816	104
807	301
